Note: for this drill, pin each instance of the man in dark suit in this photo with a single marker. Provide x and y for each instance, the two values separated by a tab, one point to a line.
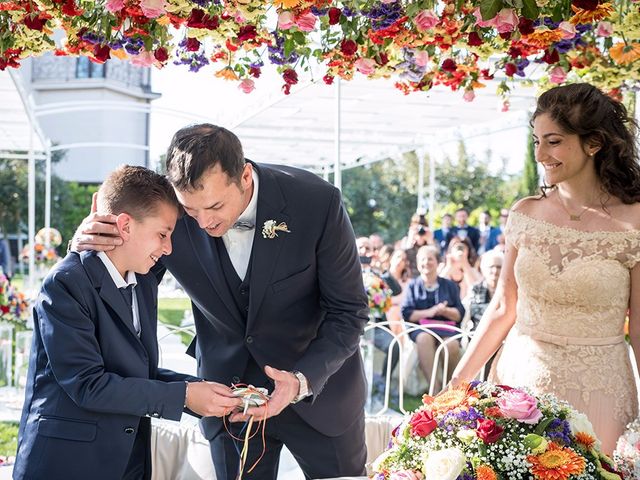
440	235
488	233
93	380
267	255
463	230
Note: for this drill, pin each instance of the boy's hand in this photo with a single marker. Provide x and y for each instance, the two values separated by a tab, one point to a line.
96	232
211	399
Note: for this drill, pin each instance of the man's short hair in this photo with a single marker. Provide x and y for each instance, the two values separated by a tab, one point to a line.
196	149
135	190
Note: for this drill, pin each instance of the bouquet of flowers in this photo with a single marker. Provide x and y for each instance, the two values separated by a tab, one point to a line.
378	294
14	308
489	432
627	454
43	255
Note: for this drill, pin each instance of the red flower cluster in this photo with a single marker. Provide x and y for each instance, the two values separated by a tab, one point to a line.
422	423
199	19
489	431
290	78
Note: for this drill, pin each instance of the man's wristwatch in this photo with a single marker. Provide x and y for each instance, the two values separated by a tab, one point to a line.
304	390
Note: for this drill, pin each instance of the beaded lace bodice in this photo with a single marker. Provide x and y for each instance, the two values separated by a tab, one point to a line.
573	296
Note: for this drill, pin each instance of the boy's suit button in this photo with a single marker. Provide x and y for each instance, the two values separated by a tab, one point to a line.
129	430
235	379
244	291
249	339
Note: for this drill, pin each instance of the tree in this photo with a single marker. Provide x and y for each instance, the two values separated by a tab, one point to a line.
530	178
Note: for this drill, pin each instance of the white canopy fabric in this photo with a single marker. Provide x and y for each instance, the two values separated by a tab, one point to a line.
19	131
376	121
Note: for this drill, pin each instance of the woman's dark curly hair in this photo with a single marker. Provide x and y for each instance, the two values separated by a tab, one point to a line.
581	109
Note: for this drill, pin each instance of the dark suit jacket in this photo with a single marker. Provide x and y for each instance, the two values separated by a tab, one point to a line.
472	232
307	303
492	239
91	378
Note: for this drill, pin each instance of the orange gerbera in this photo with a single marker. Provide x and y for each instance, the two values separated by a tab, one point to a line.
624	53
542	37
585	439
581	15
227	73
557	463
449	400
485	472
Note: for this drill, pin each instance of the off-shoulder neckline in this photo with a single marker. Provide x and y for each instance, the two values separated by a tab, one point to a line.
633	231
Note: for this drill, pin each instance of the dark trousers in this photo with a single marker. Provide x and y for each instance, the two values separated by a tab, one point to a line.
319	456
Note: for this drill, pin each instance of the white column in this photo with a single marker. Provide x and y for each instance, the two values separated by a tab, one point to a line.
432	183
337	172
420	204
47	190
31	194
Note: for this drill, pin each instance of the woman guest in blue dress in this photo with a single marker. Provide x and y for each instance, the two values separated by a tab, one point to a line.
432	301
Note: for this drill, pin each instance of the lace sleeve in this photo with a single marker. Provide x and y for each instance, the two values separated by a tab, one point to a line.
514	229
633	252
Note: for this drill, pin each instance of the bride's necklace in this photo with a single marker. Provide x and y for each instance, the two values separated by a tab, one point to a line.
572	216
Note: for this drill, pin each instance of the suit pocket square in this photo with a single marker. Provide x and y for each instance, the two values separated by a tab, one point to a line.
67	429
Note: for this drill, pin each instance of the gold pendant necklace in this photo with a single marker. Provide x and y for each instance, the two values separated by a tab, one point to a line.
572	216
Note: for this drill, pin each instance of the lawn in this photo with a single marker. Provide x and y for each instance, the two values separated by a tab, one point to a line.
8	439
171	312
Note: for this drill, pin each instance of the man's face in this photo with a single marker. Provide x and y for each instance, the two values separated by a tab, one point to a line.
150	238
219	204
461	218
485	219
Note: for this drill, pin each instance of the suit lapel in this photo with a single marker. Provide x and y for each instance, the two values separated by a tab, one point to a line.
107	289
265	251
210	262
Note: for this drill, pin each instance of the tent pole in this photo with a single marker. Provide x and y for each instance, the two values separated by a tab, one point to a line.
31	193
337	172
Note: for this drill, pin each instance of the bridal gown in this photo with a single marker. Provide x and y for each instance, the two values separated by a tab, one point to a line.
568	338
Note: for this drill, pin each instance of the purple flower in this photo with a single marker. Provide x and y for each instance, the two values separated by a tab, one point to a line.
383	15
559	431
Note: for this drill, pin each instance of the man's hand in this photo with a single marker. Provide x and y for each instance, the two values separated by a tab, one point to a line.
211	399
96	232
287	388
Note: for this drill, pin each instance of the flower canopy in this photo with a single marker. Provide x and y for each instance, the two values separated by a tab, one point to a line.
420	43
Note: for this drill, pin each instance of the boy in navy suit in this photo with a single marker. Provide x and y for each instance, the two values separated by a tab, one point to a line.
94	380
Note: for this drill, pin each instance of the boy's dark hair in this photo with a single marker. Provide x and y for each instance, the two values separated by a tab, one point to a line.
136	191
198	148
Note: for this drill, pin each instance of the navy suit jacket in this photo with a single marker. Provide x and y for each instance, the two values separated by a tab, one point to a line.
472	232
91	378
307	303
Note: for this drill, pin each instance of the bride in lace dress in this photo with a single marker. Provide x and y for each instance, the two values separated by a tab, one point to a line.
571	271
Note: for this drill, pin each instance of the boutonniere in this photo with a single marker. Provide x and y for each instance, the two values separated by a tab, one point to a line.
271	228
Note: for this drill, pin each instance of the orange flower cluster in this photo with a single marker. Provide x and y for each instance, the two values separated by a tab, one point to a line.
557	463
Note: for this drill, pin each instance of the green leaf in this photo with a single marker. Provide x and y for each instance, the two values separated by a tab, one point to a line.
542	426
299	38
288	47
490	8
530	9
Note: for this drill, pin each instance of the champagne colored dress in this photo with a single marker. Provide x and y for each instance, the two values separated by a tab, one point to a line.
568	338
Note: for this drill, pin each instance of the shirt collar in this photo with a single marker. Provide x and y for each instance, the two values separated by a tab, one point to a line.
115	275
250	213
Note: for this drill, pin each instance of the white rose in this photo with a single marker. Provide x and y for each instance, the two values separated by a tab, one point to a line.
579	422
444	464
467	435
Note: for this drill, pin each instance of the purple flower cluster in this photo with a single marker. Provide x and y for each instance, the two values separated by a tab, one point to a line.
453	420
195	60
559	431
408	69
384	15
276	51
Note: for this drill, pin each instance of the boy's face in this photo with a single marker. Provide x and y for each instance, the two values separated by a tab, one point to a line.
147	240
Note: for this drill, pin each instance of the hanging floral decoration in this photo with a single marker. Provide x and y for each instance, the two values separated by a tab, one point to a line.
422	43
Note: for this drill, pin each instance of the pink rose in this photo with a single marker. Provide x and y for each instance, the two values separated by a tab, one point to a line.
506	20
426	19
605	29
366	66
520	406
114	5
247	85
557	75
483	23
153	8
285	20
142	59
469	95
306	22
421	58
567	29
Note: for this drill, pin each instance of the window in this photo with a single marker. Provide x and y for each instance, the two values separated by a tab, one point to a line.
85	68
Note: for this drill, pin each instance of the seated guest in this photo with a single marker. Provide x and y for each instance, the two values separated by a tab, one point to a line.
93	380
432	300
459	267
482	292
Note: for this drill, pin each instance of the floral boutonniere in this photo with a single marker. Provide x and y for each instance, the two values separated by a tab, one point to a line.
271	228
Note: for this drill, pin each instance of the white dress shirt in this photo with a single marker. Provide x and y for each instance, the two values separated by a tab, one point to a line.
122	283
240	242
